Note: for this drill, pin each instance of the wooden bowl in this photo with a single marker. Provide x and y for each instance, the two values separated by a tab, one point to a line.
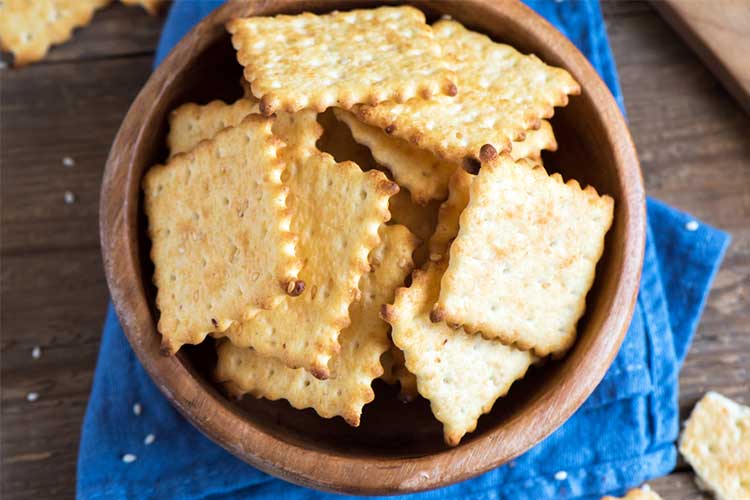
398	448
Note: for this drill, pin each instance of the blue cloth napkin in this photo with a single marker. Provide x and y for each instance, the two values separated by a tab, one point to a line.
622	436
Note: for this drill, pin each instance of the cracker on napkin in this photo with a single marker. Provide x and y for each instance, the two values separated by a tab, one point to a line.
219	229
501	94
420	219
29	27
340	59
395	372
357	364
716	443
334	245
461	375
525	257
642	493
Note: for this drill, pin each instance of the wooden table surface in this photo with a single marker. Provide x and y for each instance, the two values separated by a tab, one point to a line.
693	140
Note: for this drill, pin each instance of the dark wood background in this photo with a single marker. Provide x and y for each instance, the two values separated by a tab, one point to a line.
693	140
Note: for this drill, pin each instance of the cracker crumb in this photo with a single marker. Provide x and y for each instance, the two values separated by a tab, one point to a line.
137	409
561	475
32	396
68	161
69	197
692	226
36	352
129	458
149	439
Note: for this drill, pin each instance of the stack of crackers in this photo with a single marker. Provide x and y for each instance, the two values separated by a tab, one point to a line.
375	206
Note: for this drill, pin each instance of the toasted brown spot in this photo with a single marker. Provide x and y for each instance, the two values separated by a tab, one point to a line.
295	287
388	187
436	315
471	165
451	89
318	373
266	106
215	322
390	129
487	152
386	312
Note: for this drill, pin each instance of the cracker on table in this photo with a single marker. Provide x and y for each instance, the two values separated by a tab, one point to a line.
29	27
334	243
501	94
525	257
420	219
423	173
716	443
340	59
642	493
363	342
461	375
395	372
219	230
151	6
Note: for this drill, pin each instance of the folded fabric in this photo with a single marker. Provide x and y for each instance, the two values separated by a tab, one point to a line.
586	458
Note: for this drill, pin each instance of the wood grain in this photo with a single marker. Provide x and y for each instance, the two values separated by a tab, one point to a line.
719	32
691	137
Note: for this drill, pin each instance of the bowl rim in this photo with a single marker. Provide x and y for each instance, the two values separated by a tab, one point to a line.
343	473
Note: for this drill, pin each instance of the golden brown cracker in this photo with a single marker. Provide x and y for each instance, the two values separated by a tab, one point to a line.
525	257
362	343
461	375
29	27
501	94
219	229
340	59
334	244
716	443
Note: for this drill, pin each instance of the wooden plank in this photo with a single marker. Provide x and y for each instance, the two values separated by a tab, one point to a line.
719	32
115	31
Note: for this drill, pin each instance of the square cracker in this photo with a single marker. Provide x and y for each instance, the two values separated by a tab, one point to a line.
334	245
29	27
219	229
643	493
525	257
501	94
340	59
363	342
422	172
461	375
395	372
716	443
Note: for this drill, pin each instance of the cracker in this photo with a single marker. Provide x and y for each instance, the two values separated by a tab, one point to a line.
152	6
643	493
395	372
362	344
29	27
525	257
461	375
340	59
219	229
716	443
420	219
337	210
501	94
423	173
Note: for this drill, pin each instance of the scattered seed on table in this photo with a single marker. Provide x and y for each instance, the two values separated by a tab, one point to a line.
137	408
691	226
129	458
36	352
68	161
149	439
69	197
561	475
32	396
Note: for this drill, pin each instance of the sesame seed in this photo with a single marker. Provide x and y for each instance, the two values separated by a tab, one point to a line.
691	226
68	161
561	475
32	396
149	439
137	408
129	458
36	352
69	197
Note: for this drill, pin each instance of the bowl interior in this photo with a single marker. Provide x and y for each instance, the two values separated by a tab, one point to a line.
390	428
